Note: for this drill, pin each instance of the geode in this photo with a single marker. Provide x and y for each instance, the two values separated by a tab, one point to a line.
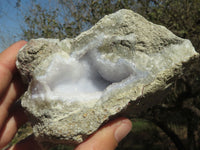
122	65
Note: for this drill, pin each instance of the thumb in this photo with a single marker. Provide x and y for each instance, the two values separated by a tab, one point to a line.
108	137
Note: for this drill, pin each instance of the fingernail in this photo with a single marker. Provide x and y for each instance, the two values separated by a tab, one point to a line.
123	129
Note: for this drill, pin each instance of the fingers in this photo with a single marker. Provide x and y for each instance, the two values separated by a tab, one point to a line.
14	121
108	137
10	90
27	144
7	64
14	91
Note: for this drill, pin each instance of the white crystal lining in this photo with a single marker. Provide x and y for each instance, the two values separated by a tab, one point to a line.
79	80
83	76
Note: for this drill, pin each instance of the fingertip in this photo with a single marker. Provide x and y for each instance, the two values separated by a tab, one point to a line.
8	56
108	137
21	43
15	46
123	129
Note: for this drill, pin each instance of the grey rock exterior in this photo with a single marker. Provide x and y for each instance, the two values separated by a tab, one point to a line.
159	58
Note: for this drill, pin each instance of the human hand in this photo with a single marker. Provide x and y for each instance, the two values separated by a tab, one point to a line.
12	115
11	87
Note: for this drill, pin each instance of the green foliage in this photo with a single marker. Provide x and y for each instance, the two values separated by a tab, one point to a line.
180	16
41	22
70	17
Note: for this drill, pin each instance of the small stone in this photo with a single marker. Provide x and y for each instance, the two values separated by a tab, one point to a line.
122	65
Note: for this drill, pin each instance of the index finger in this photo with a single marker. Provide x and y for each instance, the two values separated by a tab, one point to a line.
8	56
7	64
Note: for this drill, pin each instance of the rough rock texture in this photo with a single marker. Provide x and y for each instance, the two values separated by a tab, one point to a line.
128	65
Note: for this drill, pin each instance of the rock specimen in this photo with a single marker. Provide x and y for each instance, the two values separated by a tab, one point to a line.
122	65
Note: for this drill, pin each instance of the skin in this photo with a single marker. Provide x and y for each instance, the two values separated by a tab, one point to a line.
12	115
